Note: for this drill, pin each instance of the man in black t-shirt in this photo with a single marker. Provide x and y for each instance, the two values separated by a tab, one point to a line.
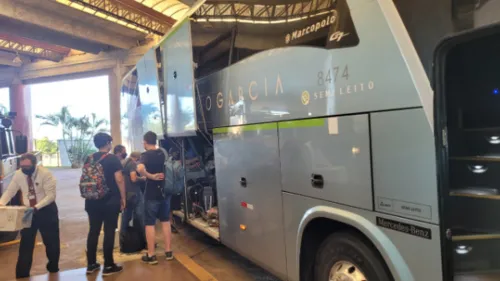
134	194
157	204
107	209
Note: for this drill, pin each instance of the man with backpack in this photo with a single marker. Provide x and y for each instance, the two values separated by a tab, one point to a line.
157	202
103	187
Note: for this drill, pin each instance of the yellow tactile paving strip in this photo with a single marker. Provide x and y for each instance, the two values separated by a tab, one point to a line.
195	269
10	243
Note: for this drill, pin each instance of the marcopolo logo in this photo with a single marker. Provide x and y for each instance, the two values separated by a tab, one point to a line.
315	27
338	36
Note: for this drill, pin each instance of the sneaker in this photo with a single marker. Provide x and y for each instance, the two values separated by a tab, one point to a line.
110	270
93	268
149	260
169	256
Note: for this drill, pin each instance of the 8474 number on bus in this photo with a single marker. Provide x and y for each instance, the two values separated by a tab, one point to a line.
333	74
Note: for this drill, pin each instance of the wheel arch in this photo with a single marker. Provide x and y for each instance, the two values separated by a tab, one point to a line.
341	220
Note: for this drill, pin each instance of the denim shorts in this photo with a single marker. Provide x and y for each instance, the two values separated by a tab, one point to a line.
157	209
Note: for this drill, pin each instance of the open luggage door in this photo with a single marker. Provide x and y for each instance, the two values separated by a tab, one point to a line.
467	129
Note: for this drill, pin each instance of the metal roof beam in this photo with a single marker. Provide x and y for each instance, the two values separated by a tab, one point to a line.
253	11
148	11
131	12
47	35
30	50
20	45
39	44
63	20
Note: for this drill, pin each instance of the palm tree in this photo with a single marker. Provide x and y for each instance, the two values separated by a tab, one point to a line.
78	131
86	127
64	120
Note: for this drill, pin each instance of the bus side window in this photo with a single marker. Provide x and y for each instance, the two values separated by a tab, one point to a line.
217	44
211	47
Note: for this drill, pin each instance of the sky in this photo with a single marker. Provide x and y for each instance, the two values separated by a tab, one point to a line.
83	96
4	97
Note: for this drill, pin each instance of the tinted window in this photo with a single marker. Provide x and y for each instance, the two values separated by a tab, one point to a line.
221	40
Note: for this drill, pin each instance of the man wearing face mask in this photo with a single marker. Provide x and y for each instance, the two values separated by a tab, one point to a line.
38	187
121	152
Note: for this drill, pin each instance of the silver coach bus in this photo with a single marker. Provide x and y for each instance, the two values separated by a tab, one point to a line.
334	158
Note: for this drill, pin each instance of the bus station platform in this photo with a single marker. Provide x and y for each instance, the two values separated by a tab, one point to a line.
133	270
197	255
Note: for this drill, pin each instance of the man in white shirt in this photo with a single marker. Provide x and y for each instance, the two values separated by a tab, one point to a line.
38	187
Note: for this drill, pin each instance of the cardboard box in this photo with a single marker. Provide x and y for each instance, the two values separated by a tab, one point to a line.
11	218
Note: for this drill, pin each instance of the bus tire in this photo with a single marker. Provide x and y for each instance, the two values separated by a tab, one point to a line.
353	258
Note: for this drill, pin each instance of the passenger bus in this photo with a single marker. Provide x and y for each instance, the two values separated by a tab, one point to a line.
334	139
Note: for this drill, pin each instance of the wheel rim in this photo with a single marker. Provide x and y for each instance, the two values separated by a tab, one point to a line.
346	271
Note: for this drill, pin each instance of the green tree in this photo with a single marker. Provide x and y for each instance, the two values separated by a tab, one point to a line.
77	133
46	146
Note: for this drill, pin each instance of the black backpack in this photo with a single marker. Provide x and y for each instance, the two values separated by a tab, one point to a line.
132	239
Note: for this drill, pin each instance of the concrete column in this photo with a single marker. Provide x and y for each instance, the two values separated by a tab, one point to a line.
115	79
20	102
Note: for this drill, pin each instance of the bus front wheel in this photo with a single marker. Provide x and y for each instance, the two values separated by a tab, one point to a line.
346	256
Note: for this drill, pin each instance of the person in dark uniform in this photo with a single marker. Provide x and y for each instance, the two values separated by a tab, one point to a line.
134	195
38	187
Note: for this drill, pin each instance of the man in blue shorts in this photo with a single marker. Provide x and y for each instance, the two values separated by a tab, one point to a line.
157	204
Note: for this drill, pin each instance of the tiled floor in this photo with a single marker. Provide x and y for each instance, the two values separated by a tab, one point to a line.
133	270
222	263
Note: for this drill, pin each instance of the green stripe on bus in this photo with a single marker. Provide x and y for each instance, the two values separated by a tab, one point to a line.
246	128
257	127
319	122
221	130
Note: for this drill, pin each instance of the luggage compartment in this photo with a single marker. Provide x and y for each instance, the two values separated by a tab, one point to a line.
468	138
